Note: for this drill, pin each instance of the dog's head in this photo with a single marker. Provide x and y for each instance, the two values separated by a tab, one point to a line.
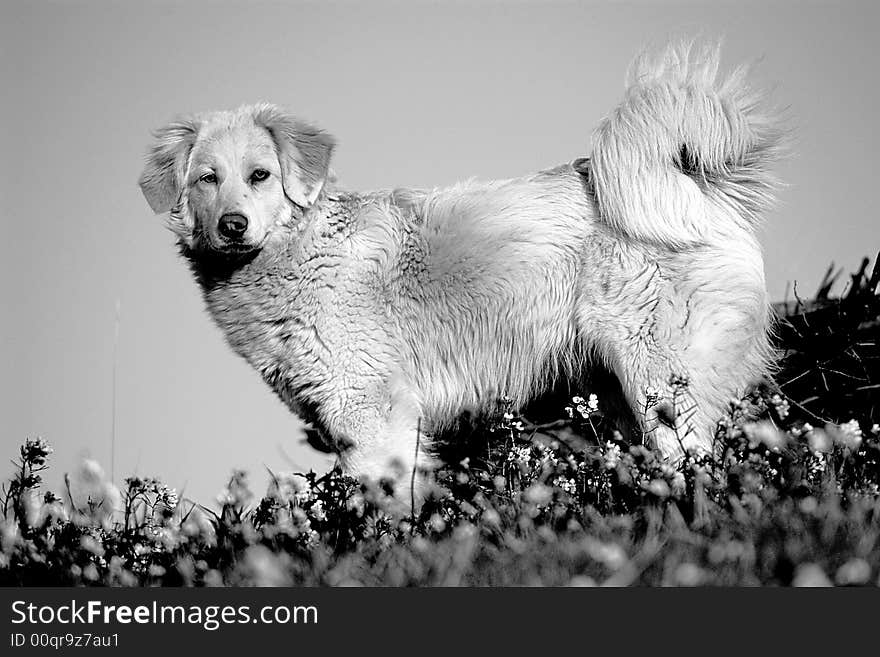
230	179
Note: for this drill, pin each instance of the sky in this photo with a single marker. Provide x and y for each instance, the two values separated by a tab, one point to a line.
103	334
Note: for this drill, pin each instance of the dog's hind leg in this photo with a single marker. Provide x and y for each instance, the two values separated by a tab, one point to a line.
681	377
664	393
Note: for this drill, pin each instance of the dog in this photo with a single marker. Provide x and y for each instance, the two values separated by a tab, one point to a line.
380	317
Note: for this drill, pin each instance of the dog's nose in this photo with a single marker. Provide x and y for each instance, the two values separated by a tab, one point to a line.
233	226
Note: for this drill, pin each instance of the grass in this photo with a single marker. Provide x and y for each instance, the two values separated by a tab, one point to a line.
790	498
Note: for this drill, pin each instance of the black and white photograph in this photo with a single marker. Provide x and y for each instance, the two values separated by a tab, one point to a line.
437	294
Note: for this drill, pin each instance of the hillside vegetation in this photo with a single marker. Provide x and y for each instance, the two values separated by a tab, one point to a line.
790	498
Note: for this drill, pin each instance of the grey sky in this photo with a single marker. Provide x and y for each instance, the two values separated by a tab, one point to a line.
418	94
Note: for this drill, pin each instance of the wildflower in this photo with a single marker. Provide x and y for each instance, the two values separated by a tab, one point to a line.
36	452
491	517
91	472
853	572
611	555
167	538
262	567
810	574
166	497
9	536
90	572
817	465
312	538
318	511
304	497
93	496
688	574
53	510
236	493
765	433
213	578
118	574
90	544
519	454
567	485
611	455
659	488
848	434
437	523
355	503
780	405
819	441
538	494
155	570
593	403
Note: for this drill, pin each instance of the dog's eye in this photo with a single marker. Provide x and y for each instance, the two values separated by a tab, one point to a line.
259	175
209	178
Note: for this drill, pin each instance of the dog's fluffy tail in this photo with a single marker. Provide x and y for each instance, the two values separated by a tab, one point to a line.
686	150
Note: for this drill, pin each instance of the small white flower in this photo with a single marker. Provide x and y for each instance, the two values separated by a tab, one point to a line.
678	484
611	455
764	433
781	405
318	510
848	434
567	485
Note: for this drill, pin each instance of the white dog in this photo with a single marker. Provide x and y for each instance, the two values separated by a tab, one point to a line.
380	315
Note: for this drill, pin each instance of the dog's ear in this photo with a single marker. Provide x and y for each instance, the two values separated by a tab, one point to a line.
303	151
165	171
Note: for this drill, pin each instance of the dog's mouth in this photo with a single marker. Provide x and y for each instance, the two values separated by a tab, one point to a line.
237	248
220	258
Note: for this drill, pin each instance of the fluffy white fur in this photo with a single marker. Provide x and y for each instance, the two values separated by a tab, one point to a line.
371	314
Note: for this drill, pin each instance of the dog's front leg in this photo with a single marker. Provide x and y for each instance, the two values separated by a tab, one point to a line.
385	439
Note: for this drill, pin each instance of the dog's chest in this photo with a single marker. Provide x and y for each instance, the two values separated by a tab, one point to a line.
296	324
271	318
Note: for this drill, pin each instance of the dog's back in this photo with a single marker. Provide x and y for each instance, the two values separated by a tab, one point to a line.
491	299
